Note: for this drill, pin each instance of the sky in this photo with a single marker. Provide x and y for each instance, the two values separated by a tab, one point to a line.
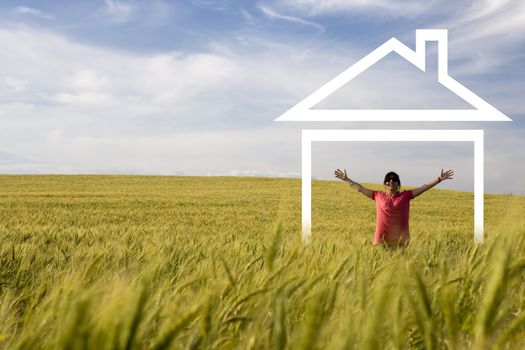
194	87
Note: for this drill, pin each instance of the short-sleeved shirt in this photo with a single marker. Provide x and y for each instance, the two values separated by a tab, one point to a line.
392	217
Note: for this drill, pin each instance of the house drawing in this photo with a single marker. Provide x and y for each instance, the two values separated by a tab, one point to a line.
482	111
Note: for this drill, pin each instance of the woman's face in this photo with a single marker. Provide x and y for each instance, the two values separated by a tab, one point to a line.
392	186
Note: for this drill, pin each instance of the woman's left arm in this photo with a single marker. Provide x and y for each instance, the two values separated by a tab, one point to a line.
445	175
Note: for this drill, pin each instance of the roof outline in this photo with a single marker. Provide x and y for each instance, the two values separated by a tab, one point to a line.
483	111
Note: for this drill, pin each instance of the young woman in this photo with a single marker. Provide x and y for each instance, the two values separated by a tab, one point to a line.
393	206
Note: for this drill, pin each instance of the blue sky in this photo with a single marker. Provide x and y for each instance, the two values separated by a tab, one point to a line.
193	87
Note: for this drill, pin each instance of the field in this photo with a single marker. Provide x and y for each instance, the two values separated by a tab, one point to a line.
136	262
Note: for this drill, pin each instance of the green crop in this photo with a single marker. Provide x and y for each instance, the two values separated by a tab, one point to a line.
143	262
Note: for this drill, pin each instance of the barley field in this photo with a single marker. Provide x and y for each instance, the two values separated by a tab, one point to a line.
143	262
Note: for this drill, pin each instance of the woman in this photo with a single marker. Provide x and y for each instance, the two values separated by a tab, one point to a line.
393	206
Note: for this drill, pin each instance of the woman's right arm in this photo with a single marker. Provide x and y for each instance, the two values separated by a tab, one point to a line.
356	186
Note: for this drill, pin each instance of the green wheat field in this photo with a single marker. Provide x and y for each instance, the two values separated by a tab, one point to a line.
143	262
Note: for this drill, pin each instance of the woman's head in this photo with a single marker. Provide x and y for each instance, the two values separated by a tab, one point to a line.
392	176
392	183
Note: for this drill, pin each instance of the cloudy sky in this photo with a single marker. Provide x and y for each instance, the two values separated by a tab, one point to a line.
193	87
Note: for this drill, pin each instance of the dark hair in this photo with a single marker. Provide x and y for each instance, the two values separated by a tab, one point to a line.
392	176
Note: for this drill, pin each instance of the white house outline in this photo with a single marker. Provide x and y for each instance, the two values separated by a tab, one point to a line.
483	111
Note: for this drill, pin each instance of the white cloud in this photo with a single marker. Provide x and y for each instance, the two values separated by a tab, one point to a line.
153	13
377	7
17	85
87	109
250	20
504	164
233	152
22	10
118	11
483	8
89	79
164	112
484	34
488	34
86	98
60	75
275	15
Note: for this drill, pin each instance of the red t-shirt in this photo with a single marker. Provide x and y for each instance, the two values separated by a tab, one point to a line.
392	217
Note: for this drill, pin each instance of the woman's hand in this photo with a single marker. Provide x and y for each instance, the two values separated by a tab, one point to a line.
341	175
446	175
